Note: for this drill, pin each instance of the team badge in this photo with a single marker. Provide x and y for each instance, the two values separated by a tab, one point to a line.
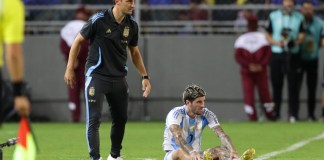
192	128
92	91
108	30
126	31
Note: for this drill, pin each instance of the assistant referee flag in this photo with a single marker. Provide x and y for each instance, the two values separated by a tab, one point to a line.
26	147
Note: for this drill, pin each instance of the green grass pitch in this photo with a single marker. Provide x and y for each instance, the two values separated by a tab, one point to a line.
143	140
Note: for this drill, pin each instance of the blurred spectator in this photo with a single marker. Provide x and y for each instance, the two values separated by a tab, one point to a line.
161	15
240	24
197	13
240	2
42	14
184	2
253	52
68	33
224	15
284	31
314	38
96	1
145	12
210	2
256	2
297	2
41	2
225	1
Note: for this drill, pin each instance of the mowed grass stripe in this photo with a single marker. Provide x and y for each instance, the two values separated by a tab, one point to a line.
67	141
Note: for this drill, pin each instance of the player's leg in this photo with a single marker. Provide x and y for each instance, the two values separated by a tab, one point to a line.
178	154
264	94
293	88
322	104
277	81
248	94
93	98
312	76
118	102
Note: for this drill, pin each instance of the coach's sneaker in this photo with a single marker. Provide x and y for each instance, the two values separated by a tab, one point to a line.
111	158
292	119
248	154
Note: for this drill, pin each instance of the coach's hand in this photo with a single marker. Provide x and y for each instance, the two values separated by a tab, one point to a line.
69	77
146	87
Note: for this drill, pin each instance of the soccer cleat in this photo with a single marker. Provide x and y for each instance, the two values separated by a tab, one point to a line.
248	154
207	155
111	158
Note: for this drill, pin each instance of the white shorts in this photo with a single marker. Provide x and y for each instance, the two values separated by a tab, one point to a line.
168	155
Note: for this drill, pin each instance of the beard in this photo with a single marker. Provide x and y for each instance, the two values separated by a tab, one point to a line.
309	18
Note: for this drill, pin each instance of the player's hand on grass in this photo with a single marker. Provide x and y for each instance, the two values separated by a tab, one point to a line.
69	77
22	105
146	87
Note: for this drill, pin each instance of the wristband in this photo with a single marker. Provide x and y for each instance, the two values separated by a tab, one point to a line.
145	77
192	151
18	88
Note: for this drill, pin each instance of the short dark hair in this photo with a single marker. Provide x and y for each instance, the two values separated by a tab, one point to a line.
308	1
292	0
192	92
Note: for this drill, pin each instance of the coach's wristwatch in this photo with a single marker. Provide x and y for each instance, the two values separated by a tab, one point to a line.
145	77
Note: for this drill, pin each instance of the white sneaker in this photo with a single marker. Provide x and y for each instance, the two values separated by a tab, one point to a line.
292	119
111	158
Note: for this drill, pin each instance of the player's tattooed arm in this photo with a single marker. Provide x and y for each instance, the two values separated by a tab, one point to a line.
224	138
177	134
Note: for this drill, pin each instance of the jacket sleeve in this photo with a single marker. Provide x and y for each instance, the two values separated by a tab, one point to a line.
240	58
65	49
266	55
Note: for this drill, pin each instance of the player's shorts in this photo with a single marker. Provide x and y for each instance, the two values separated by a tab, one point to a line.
12	22
168	155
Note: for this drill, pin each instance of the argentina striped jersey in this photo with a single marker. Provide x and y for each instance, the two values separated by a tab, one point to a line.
191	127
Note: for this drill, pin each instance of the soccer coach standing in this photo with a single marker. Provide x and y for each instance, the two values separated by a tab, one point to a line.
110	33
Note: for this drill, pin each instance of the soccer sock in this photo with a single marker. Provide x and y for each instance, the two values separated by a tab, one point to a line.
322	111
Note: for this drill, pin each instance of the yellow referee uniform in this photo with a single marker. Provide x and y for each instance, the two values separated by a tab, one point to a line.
12	21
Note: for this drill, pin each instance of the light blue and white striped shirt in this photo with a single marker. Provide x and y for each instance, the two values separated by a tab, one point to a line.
191	127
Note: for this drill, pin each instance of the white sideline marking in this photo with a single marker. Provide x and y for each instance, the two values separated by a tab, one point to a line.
290	148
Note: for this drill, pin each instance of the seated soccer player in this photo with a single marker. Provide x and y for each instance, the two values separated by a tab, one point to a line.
184	126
